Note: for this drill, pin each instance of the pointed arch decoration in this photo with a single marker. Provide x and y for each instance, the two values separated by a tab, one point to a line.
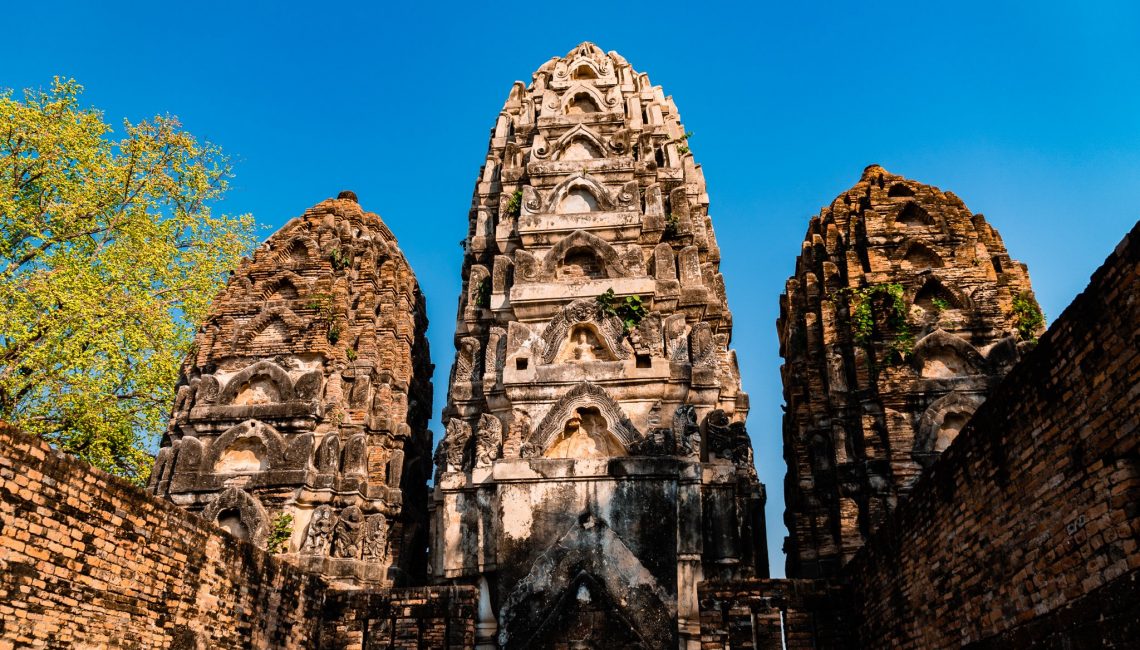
583	310
584	394
581	181
611	260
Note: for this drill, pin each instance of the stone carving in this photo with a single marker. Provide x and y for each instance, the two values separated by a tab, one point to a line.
348	533
318	536
593	196
488	440
608	328
720	439
686	432
375	544
458	435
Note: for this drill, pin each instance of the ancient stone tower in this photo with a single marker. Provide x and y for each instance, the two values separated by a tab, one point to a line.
596	465
300	418
904	311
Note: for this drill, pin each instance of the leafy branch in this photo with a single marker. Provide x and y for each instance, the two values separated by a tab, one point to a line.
629	309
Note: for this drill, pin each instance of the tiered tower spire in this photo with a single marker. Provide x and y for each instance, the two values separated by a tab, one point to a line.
595	439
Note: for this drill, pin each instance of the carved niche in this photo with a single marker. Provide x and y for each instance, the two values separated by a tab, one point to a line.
583	401
607	329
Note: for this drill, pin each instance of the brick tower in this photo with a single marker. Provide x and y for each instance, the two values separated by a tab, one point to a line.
904	311
301	416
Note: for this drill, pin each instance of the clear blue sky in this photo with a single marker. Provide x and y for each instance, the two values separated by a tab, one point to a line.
1029	111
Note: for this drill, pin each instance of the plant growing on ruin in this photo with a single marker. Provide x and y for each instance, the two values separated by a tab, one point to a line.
940	304
339	259
483	293
1027	316
672	222
323	304
629	309
351	354
514	204
889	299
280	531
110	254
683	143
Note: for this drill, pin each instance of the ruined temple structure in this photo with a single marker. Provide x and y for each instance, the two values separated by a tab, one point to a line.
595	466
905	310
301	416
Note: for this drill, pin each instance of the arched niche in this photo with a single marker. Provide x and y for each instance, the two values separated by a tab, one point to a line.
913	214
941	423
581	103
240	513
605	262
580	262
590	561
940	355
597	196
264	382
554	427
244	448
584	344
244	456
586	434
577	201
584	70
899	190
583	311
580	149
920	256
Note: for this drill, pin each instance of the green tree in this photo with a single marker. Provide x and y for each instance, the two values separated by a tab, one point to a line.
109	257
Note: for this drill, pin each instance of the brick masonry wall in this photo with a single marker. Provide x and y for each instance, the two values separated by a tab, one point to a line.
1025	533
89	561
767	614
400	619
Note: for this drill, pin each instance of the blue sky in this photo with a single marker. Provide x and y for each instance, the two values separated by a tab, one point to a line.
1029	111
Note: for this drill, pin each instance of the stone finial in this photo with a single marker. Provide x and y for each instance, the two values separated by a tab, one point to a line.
348	194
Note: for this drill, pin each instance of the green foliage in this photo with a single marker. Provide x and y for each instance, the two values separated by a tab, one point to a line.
109	257
351	354
672	223
683	143
323	303
629	309
940	304
887	297
280	531
483	293
339	259
1027	317
514	204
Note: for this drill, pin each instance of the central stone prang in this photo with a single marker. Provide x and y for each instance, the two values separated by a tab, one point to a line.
595	466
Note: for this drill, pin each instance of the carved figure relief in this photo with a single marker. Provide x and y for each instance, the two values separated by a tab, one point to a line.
488	440
458	434
375	544
348	533
586	435
318	536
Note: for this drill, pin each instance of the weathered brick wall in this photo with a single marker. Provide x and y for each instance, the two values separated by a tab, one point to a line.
773	614
400	619
88	561
1026	531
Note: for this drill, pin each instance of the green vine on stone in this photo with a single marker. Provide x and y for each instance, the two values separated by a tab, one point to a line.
323	303
889	296
483	293
514	204
683	143
940	304
339	259
672	226
629	309
280	531
1027	316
